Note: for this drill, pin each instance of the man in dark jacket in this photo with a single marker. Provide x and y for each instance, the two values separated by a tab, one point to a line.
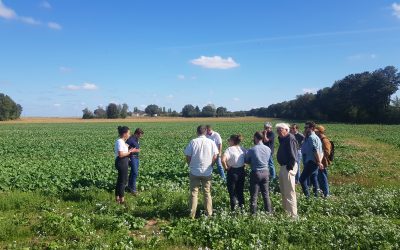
287	158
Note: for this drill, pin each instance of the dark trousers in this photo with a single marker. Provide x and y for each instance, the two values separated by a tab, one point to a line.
323	181
122	165
235	183
134	164
259	181
310	172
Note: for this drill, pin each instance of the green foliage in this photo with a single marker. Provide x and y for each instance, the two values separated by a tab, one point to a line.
9	110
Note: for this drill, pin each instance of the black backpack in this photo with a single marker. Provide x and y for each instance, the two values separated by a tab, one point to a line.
332	154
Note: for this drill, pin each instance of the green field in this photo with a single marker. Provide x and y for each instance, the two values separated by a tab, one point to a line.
57	183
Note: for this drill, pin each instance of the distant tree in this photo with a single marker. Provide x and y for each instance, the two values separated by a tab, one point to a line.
9	110
100	112
396	102
124	111
222	111
135	110
208	111
163	110
196	112
152	110
87	114
112	111
188	110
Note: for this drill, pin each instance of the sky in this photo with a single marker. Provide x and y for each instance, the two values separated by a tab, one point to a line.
58	57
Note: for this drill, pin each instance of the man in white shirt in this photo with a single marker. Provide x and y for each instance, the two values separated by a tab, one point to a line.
214	136
201	154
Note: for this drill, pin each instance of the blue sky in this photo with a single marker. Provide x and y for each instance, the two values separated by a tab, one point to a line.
58	57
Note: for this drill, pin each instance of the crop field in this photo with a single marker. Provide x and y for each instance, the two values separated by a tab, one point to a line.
57	182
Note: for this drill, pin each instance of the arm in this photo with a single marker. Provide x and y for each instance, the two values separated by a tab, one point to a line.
224	162
265	139
219	146
214	159
122	154
188	159
293	153
326	147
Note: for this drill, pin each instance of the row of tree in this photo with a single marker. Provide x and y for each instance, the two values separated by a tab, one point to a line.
113	111
358	98
9	110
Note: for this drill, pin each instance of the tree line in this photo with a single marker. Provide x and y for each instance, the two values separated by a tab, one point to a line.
357	98
9	110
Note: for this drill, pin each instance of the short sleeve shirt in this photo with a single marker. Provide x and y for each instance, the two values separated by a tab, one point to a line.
201	150
235	156
120	146
216	137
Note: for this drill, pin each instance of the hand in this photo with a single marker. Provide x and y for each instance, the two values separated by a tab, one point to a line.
320	165
136	150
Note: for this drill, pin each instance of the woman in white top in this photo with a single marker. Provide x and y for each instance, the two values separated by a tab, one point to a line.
122	154
233	162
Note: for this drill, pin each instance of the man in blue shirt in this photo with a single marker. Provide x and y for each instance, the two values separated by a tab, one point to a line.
258	158
312	157
133	142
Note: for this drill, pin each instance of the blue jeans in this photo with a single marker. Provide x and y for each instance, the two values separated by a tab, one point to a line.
310	171
220	168
271	166
134	164
323	181
299	156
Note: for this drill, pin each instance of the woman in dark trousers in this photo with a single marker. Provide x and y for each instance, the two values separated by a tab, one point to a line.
133	142
233	162
122	162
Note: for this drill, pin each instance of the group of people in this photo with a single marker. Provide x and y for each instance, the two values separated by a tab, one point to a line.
312	148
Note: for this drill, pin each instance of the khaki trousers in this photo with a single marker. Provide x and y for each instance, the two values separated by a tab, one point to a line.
195	183
288	191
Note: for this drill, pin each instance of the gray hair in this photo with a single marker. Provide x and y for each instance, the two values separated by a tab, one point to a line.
282	126
267	125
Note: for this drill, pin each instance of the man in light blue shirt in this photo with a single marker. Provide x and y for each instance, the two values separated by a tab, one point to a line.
201	154
312	157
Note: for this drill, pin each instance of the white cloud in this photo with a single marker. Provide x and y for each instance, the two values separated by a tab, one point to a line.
362	56
29	20
54	26
10	14
45	5
236	99
64	69
6	12
215	62
170	96
57	105
181	77
396	9
309	91
83	86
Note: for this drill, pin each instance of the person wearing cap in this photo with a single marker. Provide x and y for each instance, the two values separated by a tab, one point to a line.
323	171
258	157
216	138
201	154
287	158
269	141
294	130
312	159
233	162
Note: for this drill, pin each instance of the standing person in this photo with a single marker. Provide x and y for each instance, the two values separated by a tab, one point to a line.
258	157
312	157
287	157
294	130
214	136
233	162
133	142
269	141
122	153
323	171
201	154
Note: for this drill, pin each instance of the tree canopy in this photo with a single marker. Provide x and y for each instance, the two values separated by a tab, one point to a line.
9	110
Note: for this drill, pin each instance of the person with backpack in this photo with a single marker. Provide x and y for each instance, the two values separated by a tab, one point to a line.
326	159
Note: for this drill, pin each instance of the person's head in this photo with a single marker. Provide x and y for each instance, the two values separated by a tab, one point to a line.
209	129
309	127
123	132
319	130
258	136
268	127
235	140
294	129
139	133
201	130
282	129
